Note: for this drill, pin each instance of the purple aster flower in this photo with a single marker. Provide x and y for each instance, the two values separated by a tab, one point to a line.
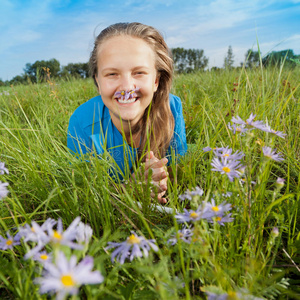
131	248
228	167
43	257
3	169
238	128
56	236
267	151
35	232
64	277
185	235
223	219
275	232
278	133
280	182
207	149
192	215
217	210
125	95
84	233
249	122
226	153
10	241
189	194
3	190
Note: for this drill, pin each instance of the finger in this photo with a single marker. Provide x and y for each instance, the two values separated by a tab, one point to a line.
159	174
149	155
158	163
150	162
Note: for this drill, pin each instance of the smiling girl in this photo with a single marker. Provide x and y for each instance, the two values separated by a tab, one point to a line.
134	117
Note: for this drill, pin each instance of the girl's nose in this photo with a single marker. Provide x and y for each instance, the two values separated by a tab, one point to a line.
127	84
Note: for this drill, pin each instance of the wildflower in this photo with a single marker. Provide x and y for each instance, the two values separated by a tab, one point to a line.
207	149
10	242
278	133
231	296
35	232
189	194
125	95
226	153
3	190
249	122
56	237
275	232
131	248
272	154
217	210
223	219
192	215
280	183
3	169
238	129
65	277
84	233
42	257
185	235
230	168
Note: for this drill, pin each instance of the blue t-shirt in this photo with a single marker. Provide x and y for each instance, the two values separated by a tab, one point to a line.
91	127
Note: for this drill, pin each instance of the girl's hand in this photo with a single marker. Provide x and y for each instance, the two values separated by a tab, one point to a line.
159	175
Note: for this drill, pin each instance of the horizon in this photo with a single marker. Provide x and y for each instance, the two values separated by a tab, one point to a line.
65	30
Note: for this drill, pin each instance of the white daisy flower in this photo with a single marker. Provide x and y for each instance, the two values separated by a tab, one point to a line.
131	248
65	277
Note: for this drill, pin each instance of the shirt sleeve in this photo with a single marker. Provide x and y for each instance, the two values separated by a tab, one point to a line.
178	142
77	141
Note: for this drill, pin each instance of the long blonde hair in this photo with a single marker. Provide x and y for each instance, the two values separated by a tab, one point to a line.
157	124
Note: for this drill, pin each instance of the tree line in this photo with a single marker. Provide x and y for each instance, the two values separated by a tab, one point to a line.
185	61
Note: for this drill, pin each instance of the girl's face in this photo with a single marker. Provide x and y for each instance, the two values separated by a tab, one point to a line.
126	63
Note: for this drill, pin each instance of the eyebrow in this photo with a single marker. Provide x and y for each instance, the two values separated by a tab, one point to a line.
116	69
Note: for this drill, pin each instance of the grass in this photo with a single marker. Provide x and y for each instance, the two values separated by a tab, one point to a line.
45	180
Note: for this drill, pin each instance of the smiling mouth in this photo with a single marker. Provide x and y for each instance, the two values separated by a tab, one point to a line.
128	101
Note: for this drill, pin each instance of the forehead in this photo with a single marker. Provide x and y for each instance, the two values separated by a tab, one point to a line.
120	49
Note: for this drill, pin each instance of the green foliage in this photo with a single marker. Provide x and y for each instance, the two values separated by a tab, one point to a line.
189	60
45	180
228	60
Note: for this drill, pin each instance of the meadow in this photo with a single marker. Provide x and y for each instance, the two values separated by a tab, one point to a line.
246	248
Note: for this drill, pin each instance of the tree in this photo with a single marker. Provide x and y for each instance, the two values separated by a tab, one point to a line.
228	60
189	60
252	59
276	58
40	70
78	70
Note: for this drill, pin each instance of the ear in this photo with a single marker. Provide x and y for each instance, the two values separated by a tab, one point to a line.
97	84
156	82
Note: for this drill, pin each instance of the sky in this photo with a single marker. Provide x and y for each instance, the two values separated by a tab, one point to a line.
65	29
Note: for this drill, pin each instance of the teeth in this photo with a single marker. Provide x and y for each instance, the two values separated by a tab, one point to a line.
127	101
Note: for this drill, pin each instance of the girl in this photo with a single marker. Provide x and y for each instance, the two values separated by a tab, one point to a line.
135	118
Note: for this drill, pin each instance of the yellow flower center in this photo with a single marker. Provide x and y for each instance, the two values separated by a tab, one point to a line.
232	295
215	208
44	256
57	235
193	215
133	240
226	155
67	280
32	229
9	242
238	129
218	219
226	169
122	93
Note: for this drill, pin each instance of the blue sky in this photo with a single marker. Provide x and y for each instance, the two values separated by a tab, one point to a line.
65	29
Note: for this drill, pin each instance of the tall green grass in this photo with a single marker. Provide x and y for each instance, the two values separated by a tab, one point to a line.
45	180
